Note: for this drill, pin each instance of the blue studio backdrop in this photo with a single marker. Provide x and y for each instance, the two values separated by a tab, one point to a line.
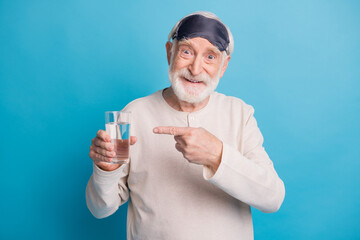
64	63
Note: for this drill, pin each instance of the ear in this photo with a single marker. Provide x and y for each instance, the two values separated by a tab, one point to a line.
226	62
168	51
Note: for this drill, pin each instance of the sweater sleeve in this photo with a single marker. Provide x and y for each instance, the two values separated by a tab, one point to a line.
249	177
106	191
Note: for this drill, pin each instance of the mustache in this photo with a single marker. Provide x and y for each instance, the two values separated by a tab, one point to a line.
202	77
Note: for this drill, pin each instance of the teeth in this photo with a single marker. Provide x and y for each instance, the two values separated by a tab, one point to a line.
192	81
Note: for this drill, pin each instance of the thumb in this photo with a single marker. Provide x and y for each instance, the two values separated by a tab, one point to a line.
133	140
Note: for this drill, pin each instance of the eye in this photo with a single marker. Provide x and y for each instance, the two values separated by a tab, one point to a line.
185	52
211	57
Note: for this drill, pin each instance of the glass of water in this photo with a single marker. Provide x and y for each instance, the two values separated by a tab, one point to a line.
117	125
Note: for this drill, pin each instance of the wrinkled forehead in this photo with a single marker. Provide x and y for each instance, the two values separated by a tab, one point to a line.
200	26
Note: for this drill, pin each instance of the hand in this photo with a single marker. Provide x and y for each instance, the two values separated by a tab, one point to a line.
102	151
196	144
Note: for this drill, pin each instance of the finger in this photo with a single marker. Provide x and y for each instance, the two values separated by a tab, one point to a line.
133	140
103	135
97	142
96	157
181	140
178	147
104	152
176	131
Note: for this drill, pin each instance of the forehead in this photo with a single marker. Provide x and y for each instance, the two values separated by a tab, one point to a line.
199	43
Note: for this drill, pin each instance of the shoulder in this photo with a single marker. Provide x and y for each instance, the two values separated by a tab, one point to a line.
144	102
230	103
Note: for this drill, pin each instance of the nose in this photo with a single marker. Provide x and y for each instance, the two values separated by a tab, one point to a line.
196	66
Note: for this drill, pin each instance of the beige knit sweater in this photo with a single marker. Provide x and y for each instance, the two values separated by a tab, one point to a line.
170	198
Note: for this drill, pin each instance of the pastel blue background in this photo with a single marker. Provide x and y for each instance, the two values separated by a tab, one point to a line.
64	63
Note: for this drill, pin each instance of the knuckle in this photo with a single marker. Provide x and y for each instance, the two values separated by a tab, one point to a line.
105	159
106	136
93	155
191	131
95	141
94	149
112	154
102	151
102	144
109	145
177	146
105	153
189	141
99	142
102	134
99	157
97	149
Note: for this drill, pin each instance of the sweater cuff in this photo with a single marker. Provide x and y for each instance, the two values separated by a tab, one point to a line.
104	177
208	173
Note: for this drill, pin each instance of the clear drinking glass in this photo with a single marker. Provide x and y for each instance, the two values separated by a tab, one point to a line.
117	125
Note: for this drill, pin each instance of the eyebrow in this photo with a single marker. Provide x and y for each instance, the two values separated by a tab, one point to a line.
185	42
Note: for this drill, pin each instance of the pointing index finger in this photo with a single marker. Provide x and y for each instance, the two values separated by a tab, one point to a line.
175	131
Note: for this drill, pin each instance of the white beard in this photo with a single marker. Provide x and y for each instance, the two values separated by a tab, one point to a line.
192	94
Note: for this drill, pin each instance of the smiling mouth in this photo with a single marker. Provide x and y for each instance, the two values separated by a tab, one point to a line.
192	81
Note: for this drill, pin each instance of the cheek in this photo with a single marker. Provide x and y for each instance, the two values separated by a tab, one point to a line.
212	71
177	67
180	63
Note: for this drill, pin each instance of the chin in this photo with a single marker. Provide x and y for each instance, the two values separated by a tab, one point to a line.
195	94
190	95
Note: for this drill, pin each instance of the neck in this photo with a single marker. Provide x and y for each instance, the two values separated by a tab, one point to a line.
182	106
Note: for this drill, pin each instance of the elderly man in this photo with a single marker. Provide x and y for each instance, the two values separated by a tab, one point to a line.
198	163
